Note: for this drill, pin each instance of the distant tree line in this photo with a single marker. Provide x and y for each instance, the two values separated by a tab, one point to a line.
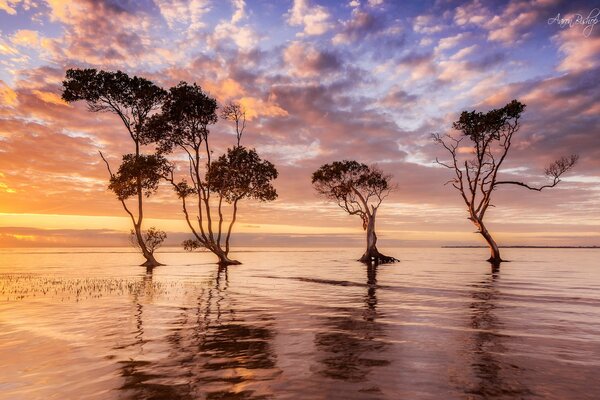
179	119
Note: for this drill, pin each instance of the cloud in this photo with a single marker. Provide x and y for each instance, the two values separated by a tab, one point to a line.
8	97
374	3
425	24
244	37
240	11
313	19
256	107
375	97
50	97
305	60
184	13
511	25
450	41
464	52
419	66
7	49
9	6
579	52
28	237
359	26
25	37
397	98
125	29
472	13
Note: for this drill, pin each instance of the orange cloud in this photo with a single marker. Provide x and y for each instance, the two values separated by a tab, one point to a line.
9	6
225	90
50	97
6	49
25	37
7	95
258	108
4	187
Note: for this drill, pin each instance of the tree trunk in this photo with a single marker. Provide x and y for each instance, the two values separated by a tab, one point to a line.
495	258
150	260
372	255
224	259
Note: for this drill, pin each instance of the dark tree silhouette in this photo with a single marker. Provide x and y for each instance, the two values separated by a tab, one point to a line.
359	190
239	174
234	112
153	238
476	177
133	100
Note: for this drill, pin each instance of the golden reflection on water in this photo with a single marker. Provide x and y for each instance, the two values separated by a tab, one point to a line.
299	324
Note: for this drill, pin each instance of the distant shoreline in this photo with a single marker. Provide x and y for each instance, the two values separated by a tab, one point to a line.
523	247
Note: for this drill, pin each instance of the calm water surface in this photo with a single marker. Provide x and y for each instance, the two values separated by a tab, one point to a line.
300	324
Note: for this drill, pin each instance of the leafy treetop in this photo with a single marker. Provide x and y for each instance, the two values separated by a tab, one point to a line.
132	98
241	173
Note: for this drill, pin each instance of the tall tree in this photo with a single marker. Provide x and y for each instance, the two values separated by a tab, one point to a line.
133	100
359	190
476	172
239	174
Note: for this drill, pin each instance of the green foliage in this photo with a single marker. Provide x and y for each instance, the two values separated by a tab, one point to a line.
186	113
143	170
241	173
481	128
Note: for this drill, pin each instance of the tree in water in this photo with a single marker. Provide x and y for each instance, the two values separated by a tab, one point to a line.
476	177
239	174
359	190
133	100
153	239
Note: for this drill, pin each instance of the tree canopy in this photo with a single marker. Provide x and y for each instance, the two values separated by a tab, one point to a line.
148	170
241	173
131	98
354	186
183	122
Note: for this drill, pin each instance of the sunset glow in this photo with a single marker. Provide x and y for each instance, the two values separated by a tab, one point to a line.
368	80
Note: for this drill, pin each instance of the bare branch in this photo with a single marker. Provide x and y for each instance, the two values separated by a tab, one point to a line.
555	170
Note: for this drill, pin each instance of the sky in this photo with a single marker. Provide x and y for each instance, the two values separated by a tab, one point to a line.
369	80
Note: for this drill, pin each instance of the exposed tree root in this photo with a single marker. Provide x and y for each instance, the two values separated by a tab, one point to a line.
373	256
151	263
225	261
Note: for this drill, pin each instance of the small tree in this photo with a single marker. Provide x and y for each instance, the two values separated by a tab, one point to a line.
476	175
359	190
234	112
153	239
133	100
236	175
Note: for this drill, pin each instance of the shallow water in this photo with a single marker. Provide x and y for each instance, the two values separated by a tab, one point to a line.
300	324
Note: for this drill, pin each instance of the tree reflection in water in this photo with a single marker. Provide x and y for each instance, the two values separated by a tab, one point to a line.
351	344
213	353
494	378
